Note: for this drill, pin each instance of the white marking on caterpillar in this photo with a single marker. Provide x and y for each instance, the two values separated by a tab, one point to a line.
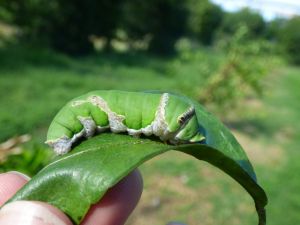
115	121
61	145
100	129
89	125
77	103
159	126
64	144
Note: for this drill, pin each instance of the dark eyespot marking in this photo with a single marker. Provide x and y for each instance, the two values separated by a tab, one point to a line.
186	116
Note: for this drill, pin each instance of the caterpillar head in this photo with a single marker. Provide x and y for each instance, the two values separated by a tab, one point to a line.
189	130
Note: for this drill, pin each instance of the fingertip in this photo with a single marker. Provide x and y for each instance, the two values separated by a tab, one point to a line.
118	203
10	183
55	211
32	213
22	175
25	212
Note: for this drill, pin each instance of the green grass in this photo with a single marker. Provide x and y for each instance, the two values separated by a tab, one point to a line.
274	125
36	83
219	200
284	112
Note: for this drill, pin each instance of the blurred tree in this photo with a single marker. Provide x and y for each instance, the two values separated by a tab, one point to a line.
239	76
290	39
4	13
274	28
204	19
65	25
244	17
163	20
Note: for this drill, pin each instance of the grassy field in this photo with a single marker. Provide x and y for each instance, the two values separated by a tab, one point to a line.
181	189
34	84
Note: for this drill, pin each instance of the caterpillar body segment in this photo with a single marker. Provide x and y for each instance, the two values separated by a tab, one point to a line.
165	115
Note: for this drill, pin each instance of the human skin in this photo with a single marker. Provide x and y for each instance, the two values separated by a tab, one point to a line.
113	209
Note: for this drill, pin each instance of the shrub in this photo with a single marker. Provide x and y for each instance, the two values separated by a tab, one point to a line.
290	39
240	74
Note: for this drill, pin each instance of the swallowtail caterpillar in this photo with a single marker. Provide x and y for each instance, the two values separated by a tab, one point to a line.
170	117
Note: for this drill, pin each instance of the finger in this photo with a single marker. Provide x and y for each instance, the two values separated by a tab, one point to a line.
10	183
32	213
117	204
25	212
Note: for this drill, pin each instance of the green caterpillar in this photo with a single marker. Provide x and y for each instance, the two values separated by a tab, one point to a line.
170	117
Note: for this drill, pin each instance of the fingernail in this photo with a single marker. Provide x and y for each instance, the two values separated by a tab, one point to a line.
19	174
29	213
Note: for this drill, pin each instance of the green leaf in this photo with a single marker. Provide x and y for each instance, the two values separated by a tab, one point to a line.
75	181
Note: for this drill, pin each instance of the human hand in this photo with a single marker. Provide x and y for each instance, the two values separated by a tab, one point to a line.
113	209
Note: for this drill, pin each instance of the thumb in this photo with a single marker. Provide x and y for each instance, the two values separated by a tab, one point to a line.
25	212
32	213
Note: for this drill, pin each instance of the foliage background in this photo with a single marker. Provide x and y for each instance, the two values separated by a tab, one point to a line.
243	68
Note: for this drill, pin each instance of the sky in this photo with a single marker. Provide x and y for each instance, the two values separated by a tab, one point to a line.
270	9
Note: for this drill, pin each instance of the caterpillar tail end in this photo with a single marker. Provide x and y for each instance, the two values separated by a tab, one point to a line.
61	145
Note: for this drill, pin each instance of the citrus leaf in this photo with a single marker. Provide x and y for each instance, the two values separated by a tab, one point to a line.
80	178
75	181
